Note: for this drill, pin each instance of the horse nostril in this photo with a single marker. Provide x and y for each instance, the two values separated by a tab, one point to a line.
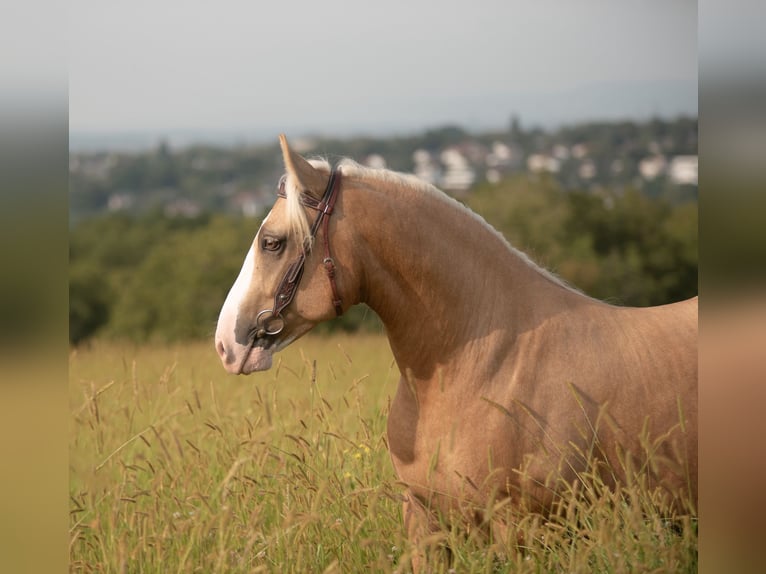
221	349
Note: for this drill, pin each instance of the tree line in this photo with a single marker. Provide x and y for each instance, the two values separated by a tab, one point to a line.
153	278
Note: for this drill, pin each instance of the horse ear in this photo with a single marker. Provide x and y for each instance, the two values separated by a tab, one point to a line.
309	179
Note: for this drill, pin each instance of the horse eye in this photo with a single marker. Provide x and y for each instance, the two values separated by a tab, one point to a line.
271	244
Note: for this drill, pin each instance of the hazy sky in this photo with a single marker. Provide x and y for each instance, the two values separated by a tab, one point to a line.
399	64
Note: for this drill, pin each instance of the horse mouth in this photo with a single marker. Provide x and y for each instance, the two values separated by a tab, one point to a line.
259	352
258	357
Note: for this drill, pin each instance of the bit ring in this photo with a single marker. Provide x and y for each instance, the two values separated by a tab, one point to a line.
268	327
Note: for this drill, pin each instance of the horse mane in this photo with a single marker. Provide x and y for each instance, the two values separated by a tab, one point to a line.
299	223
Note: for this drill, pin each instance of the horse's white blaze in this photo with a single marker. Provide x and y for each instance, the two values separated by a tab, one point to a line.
227	319
228	316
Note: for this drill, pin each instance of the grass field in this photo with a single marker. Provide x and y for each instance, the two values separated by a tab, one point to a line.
176	466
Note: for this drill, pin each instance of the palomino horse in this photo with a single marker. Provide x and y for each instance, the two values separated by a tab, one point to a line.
509	377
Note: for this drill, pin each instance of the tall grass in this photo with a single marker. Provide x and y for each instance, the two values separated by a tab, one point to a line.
178	467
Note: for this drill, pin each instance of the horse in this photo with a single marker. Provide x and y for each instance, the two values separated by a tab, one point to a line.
509	376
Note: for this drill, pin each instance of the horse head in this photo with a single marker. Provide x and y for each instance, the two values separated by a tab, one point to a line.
287	283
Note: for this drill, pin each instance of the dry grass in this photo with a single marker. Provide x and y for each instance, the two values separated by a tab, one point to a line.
178	467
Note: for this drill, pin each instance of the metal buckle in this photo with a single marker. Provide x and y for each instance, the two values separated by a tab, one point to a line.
268	327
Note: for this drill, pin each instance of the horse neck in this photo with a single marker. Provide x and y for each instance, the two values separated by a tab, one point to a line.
441	279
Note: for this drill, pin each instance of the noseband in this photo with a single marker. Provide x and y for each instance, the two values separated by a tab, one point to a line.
270	321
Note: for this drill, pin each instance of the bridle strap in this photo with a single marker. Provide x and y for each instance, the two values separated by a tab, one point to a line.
328	261
324	207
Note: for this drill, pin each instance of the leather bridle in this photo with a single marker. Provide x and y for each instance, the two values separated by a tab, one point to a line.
270	321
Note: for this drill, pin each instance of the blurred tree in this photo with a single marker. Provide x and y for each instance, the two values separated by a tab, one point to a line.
623	247
177	290
515	128
440	138
89	301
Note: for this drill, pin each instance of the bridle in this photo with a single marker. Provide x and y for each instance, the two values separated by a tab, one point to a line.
270	321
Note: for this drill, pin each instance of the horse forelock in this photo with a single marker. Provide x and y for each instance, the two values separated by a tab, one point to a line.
295	212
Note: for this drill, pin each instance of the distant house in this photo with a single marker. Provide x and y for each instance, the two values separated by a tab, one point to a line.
501	155
538	163
119	202
587	170
425	167
246	203
579	151
652	167
97	167
683	170
560	152
502	159
375	161
183	208
458	174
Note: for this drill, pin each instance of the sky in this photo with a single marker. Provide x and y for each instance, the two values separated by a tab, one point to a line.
342	66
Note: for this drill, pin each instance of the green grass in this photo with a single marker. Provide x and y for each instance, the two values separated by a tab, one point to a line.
178	467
